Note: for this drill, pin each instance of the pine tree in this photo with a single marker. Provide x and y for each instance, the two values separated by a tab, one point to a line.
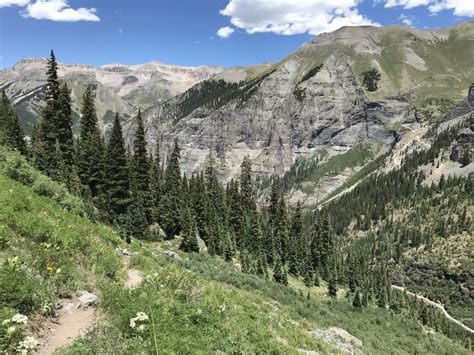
155	183
116	172
90	147
45	154
277	270
171	204
357	302
246	188
11	133
135	222
189	243
296	239
140	156
64	129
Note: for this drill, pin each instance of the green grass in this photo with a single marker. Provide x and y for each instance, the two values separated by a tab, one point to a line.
354	157
380	331
49	250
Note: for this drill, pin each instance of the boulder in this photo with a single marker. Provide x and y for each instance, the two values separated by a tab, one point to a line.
123	251
341	339
86	299
172	255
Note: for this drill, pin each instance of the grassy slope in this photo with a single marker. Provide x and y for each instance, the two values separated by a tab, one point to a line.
201	305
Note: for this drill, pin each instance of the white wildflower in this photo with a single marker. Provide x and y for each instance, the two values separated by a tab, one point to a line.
132	323
141	328
29	343
20	319
11	330
141	316
6	321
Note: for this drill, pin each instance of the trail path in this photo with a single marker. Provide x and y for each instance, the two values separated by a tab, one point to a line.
74	319
437	305
71	323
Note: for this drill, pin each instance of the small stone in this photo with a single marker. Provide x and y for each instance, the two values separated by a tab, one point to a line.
86	299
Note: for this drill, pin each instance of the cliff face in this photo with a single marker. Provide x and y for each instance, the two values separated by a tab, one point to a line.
313	102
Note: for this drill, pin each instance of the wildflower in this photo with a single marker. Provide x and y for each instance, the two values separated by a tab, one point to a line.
6	321
28	344
58	271
132	323
141	316
19	319
141	327
11	330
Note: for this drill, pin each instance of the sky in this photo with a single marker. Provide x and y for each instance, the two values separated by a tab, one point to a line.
197	32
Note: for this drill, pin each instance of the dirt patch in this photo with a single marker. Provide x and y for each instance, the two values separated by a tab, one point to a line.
70	323
134	278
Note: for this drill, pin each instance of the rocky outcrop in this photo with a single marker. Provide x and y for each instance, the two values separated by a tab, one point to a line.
341	339
311	101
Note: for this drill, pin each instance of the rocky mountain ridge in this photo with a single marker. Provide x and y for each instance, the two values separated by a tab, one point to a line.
314	102
119	88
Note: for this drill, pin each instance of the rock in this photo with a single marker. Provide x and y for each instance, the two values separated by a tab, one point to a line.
123	251
65	305
201	244
172	255
157	231
86	299
341	339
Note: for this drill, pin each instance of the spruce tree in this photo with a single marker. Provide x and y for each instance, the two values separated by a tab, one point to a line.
140	156
135	221
45	154
171	204
155	183
11	133
246	188
116	172
296	239
64	129
90	147
189	243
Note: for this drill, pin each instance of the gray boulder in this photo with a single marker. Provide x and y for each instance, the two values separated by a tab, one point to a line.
86	299
341	339
172	255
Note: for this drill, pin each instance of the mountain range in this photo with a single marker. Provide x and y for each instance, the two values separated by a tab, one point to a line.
305	110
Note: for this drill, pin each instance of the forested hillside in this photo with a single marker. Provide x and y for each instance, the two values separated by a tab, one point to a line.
241	259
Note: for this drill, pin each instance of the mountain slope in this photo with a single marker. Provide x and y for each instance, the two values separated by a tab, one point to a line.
119	88
314	101
51	250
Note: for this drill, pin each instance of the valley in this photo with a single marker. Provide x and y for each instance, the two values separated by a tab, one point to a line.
319	204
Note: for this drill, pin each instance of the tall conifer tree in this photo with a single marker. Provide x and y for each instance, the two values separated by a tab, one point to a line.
11	133
116	172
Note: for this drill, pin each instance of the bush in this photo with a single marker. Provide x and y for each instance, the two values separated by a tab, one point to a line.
371	79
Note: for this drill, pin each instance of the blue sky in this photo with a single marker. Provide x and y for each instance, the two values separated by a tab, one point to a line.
196	32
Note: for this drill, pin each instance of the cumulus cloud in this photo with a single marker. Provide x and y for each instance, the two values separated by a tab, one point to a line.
225	32
289	17
59	10
459	7
5	3
406	19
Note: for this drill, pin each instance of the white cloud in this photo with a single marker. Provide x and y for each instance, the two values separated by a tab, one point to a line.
289	17
4	3
59	10
459	7
120	30
225	32
406	19
407	4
